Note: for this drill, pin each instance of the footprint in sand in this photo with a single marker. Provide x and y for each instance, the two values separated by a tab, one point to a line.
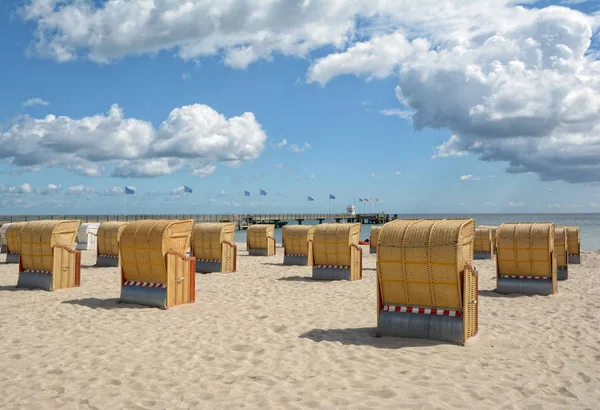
241	348
584	377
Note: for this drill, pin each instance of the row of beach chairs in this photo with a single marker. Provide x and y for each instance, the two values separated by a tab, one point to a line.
427	285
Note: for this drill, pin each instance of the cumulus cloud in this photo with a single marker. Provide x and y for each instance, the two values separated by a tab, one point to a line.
280	144
279	166
299	149
194	137
35	101
469	178
80	190
15	190
49	190
114	191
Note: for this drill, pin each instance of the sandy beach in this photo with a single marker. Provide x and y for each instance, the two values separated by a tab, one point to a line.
270	337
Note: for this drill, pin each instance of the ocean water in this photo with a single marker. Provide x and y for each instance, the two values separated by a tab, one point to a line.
589	224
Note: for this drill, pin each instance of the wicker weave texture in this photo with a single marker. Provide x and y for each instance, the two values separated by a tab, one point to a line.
560	246
420	262
297	239
144	246
483	239
13	237
257	236
374	236
332	243
109	234
39	238
526	249
493	230
208	238
573	240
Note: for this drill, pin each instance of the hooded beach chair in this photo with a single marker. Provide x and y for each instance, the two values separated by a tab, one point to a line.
562	253
426	282
574	244
373	238
108	236
213	248
298	245
13	241
48	259
526	261
336	253
260	240
3	229
87	236
483	246
154	268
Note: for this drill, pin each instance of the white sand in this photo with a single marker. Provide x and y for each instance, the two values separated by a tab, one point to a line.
270	337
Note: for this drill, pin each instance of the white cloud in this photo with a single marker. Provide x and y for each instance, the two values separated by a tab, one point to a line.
280	144
222	193
114	191
12	190
449	148
299	149
80	190
397	112
398	173
469	178
279	166
49	190
515	204
194	137
35	101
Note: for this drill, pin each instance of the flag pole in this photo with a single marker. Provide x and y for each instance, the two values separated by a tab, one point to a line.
124	203
329	203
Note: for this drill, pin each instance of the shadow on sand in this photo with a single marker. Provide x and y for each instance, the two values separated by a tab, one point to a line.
494	294
105	304
298	279
366	336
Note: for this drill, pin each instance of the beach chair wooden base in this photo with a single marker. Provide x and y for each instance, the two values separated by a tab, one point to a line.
12	258
259	252
541	287
208	266
298	260
107	261
562	273
575	259
66	272
372	250
421	326
35	280
482	255
139	295
331	273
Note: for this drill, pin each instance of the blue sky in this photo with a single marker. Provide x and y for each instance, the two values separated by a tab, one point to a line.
347	111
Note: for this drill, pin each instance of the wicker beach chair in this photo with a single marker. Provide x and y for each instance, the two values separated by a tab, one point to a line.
526	261
154	268
48	259
562	253
336	253
13	241
260	240
373	238
87	238
108	237
426	282
298	245
213	248
574	244
483	245
3	229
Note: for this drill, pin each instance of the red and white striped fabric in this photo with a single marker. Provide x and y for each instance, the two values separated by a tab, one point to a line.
332	267
109	256
145	284
209	260
45	272
422	311
525	277
295	254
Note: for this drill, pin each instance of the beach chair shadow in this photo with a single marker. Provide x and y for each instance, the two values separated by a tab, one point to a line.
104	304
494	294
366	336
9	288
297	279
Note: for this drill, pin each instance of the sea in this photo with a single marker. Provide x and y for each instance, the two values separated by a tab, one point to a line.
589	224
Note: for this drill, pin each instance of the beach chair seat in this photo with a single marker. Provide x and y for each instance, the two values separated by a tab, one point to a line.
213	248
260	240
47	258
154	268
87	236
298	245
526	260
426	282
336	253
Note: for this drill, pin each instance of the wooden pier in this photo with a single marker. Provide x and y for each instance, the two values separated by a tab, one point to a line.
241	221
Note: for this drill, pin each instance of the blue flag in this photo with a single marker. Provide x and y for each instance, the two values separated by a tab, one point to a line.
262	192
187	189
331	196
310	198
246	193
360	200
129	190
